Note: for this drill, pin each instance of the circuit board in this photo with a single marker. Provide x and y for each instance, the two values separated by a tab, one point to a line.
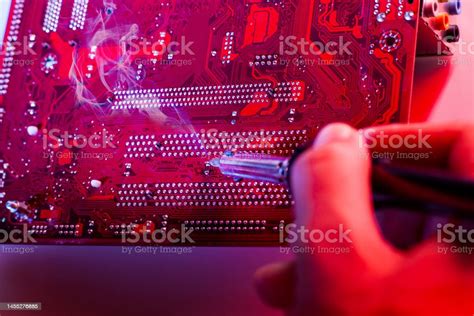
111	111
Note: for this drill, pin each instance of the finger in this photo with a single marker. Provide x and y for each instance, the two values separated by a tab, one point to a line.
447	146
462	153
331	189
275	284
331	184
451	148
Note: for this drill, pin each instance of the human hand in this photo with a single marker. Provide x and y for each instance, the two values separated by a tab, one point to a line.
331	187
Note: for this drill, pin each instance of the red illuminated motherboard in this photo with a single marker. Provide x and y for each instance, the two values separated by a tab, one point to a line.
111	110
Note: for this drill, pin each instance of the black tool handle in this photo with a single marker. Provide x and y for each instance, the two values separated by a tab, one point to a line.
416	189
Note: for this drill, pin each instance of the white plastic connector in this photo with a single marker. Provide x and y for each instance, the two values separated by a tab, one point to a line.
430	8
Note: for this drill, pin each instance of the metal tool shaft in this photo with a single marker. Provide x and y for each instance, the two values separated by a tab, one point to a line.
254	167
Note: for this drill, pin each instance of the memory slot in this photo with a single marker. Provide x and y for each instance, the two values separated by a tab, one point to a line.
10	46
203	194
3	176
51	16
79	12
240	94
214	143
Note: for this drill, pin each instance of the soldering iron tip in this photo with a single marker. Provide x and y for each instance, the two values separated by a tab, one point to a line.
216	162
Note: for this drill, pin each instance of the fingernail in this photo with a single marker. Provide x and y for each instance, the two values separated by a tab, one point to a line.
334	133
